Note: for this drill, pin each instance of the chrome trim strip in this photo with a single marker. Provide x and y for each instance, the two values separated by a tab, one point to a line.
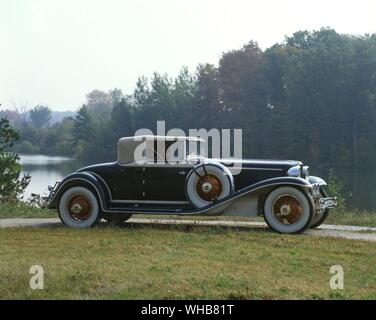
156	165
190	165
150	201
248	168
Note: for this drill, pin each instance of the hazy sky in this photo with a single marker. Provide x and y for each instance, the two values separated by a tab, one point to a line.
54	52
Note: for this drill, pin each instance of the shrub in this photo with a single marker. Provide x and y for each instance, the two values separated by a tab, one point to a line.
11	185
335	187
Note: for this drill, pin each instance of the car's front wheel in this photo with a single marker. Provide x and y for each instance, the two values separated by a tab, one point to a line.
287	210
78	208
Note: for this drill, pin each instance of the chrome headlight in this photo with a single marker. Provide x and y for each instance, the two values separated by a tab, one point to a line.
294	171
305	172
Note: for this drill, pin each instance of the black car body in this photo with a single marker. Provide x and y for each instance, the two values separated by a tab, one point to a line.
193	185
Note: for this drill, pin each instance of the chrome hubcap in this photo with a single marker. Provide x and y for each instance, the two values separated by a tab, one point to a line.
285	210
207	187
76	208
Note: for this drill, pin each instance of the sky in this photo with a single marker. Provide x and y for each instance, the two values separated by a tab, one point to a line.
53	52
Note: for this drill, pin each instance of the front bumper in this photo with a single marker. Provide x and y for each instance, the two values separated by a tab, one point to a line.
322	202
328	203
52	191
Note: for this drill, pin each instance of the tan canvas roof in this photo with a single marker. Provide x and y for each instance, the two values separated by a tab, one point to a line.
127	145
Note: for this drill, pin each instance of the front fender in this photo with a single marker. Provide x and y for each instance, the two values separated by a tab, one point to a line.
314	180
83	179
256	188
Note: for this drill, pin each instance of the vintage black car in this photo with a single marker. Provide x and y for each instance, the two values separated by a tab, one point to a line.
141	181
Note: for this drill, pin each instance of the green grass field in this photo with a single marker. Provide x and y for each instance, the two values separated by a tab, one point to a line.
176	262
138	261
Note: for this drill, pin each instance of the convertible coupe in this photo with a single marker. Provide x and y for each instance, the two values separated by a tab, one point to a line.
142	181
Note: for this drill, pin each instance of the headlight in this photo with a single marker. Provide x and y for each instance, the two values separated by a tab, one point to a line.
294	171
305	172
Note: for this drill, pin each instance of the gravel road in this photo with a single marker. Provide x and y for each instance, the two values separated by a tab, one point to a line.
326	230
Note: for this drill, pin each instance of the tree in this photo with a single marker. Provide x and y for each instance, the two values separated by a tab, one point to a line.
99	104
207	107
116	96
11	186
245	92
83	128
184	88
40	116
121	122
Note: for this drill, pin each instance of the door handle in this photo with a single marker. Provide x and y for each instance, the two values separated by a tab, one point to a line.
181	172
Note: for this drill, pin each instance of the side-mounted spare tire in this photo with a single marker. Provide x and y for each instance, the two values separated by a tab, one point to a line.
207	183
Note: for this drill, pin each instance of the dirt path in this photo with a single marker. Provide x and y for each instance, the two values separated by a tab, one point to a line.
326	230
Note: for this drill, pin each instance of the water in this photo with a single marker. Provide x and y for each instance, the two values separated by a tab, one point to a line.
361	183
45	170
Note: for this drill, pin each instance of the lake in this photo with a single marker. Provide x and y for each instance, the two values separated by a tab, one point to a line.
45	170
361	183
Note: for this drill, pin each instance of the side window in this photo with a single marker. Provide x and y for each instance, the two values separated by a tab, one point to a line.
155	154
176	152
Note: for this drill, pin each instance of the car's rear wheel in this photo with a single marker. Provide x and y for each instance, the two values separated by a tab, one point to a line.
208	183
319	219
115	218
287	210
78	208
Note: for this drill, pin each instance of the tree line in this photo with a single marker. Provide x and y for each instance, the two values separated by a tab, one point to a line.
312	97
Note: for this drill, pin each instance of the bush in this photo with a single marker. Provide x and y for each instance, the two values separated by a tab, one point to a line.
335	187
11	186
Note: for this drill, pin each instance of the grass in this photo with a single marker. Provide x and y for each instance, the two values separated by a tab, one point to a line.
352	218
23	210
355	217
178	262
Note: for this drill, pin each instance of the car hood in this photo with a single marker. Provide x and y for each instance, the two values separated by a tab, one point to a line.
259	163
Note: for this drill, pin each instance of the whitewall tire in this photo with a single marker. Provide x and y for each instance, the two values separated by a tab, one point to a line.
79	208
208	183
288	210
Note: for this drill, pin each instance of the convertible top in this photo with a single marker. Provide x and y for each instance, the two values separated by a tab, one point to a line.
126	146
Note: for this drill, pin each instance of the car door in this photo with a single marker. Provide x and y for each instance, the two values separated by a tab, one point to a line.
127	184
166	183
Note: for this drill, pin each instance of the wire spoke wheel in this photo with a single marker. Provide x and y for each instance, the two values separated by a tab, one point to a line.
79	208
287	209
209	187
